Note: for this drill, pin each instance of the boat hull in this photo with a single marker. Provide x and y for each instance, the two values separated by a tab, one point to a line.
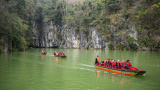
121	71
43	53
60	56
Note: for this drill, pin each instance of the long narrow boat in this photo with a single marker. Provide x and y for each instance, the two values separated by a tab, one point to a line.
120	70
60	56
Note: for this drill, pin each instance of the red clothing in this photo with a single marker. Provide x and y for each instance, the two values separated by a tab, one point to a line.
104	62
63	54
59	54
118	63
113	63
121	65
109	62
124	63
128	64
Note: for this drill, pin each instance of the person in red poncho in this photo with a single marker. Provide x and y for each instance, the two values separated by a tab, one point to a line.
128	64
118	63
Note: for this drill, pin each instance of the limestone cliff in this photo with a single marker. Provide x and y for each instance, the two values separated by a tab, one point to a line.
52	35
66	37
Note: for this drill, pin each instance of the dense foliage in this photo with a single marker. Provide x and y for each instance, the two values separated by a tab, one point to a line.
16	21
16	17
110	17
113	19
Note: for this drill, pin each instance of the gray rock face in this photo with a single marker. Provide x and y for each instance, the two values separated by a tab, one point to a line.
66	37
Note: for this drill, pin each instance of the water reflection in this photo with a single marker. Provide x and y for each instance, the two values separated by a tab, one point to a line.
114	77
55	58
97	74
117	78
58	60
43	57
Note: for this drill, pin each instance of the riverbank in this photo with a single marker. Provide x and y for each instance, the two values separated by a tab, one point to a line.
144	49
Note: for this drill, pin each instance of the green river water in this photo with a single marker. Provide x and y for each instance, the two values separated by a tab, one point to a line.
29	70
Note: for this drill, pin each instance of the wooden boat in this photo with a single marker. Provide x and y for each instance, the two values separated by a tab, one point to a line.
60	56
44	53
120	70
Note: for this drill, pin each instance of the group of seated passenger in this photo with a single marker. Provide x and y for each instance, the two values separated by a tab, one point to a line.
59	54
118	63
111	62
43	51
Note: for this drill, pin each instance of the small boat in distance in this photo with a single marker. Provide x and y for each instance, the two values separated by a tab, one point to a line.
119	70
31	47
43	52
59	54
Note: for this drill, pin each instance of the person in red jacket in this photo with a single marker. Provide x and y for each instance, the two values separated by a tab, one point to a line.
63	54
42	51
59	54
128	64
122	63
118	63
105	62
109	62
113	63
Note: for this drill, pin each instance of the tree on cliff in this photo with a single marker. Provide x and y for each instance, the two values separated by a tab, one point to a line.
15	24
112	18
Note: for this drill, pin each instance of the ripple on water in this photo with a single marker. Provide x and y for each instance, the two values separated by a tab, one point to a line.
29	70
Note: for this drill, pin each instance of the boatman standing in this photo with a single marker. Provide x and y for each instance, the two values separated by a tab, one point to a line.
97	60
55	52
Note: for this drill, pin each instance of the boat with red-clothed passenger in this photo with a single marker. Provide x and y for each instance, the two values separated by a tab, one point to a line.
120	70
62	55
